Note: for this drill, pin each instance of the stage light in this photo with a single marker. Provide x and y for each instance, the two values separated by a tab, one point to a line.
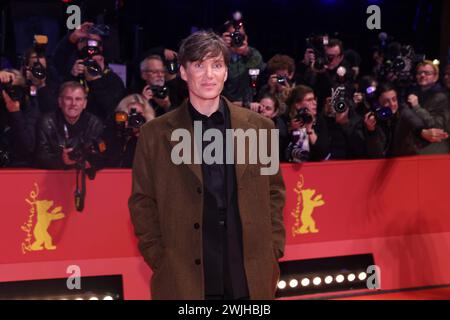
328	279
79	298
93	298
305	282
108	298
340	278
281	285
317	281
293	283
351	277
362	276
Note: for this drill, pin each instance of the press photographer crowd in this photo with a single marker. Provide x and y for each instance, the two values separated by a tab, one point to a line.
70	109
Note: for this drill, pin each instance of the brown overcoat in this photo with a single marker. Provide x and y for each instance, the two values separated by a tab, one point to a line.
166	207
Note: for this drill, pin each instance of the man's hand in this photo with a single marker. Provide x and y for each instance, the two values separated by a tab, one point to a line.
357	97
165	103
342	117
226	36
413	101
65	157
370	121
6	77
255	106
169	54
81	32
296	124
78	68
434	135
11	105
147	92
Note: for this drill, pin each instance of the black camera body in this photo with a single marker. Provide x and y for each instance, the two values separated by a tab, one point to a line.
338	100
237	38
303	115
87	150
172	66
126	123
87	53
318	43
15	92
160	92
38	70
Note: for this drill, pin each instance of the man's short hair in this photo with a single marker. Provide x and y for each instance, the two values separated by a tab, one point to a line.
428	63
384	87
281	62
73	85
150	57
201	45
334	43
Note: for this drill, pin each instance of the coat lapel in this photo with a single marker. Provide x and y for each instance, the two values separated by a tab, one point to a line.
239	120
181	119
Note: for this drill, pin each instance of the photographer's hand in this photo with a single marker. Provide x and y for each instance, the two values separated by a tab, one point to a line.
296	124
342	117
255	106
65	157
169	54
165	103
370	121
6	77
147	92
226	36
413	101
434	135
78	68
11	105
81	32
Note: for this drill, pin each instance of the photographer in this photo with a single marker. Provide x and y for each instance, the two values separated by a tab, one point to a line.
280	71
79	57
344	127
243	58
156	91
121	135
328	68
42	79
309	132
269	107
65	133
396	130
430	102
19	127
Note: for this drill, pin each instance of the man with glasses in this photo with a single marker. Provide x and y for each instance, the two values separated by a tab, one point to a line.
156	92
430	103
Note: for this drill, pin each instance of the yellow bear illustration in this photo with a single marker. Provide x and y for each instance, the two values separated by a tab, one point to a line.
309	204
44	219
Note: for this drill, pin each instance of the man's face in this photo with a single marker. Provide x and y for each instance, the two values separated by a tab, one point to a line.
35	58
153	72
335	56
72	103
389	99
426	76
205	79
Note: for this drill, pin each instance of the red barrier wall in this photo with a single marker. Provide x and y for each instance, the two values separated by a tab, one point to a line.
396	209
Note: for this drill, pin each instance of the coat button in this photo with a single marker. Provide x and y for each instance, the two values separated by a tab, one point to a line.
199	190
196	226
198	261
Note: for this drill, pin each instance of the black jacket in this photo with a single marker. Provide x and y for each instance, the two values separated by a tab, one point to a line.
51	137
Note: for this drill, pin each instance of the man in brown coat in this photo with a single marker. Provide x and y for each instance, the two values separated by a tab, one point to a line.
208	230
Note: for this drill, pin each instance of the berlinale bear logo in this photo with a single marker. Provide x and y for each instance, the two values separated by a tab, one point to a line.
44	217
304	222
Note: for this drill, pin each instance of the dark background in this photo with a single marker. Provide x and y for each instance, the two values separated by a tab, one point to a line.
273	26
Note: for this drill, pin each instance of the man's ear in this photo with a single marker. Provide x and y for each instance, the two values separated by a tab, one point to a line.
226	75
183	73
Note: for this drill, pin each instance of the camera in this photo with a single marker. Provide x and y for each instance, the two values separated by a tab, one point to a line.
133	120
303	115
92	48
381	113
172	66
338	101
39	46
38	70
160	92
15	92
281	80
237	38
318	43
87	150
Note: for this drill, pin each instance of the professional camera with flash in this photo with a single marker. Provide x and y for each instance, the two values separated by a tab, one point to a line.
318	43
338	101
237	37
92	48
127	122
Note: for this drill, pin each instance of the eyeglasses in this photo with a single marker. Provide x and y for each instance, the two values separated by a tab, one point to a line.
427	73
155	71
